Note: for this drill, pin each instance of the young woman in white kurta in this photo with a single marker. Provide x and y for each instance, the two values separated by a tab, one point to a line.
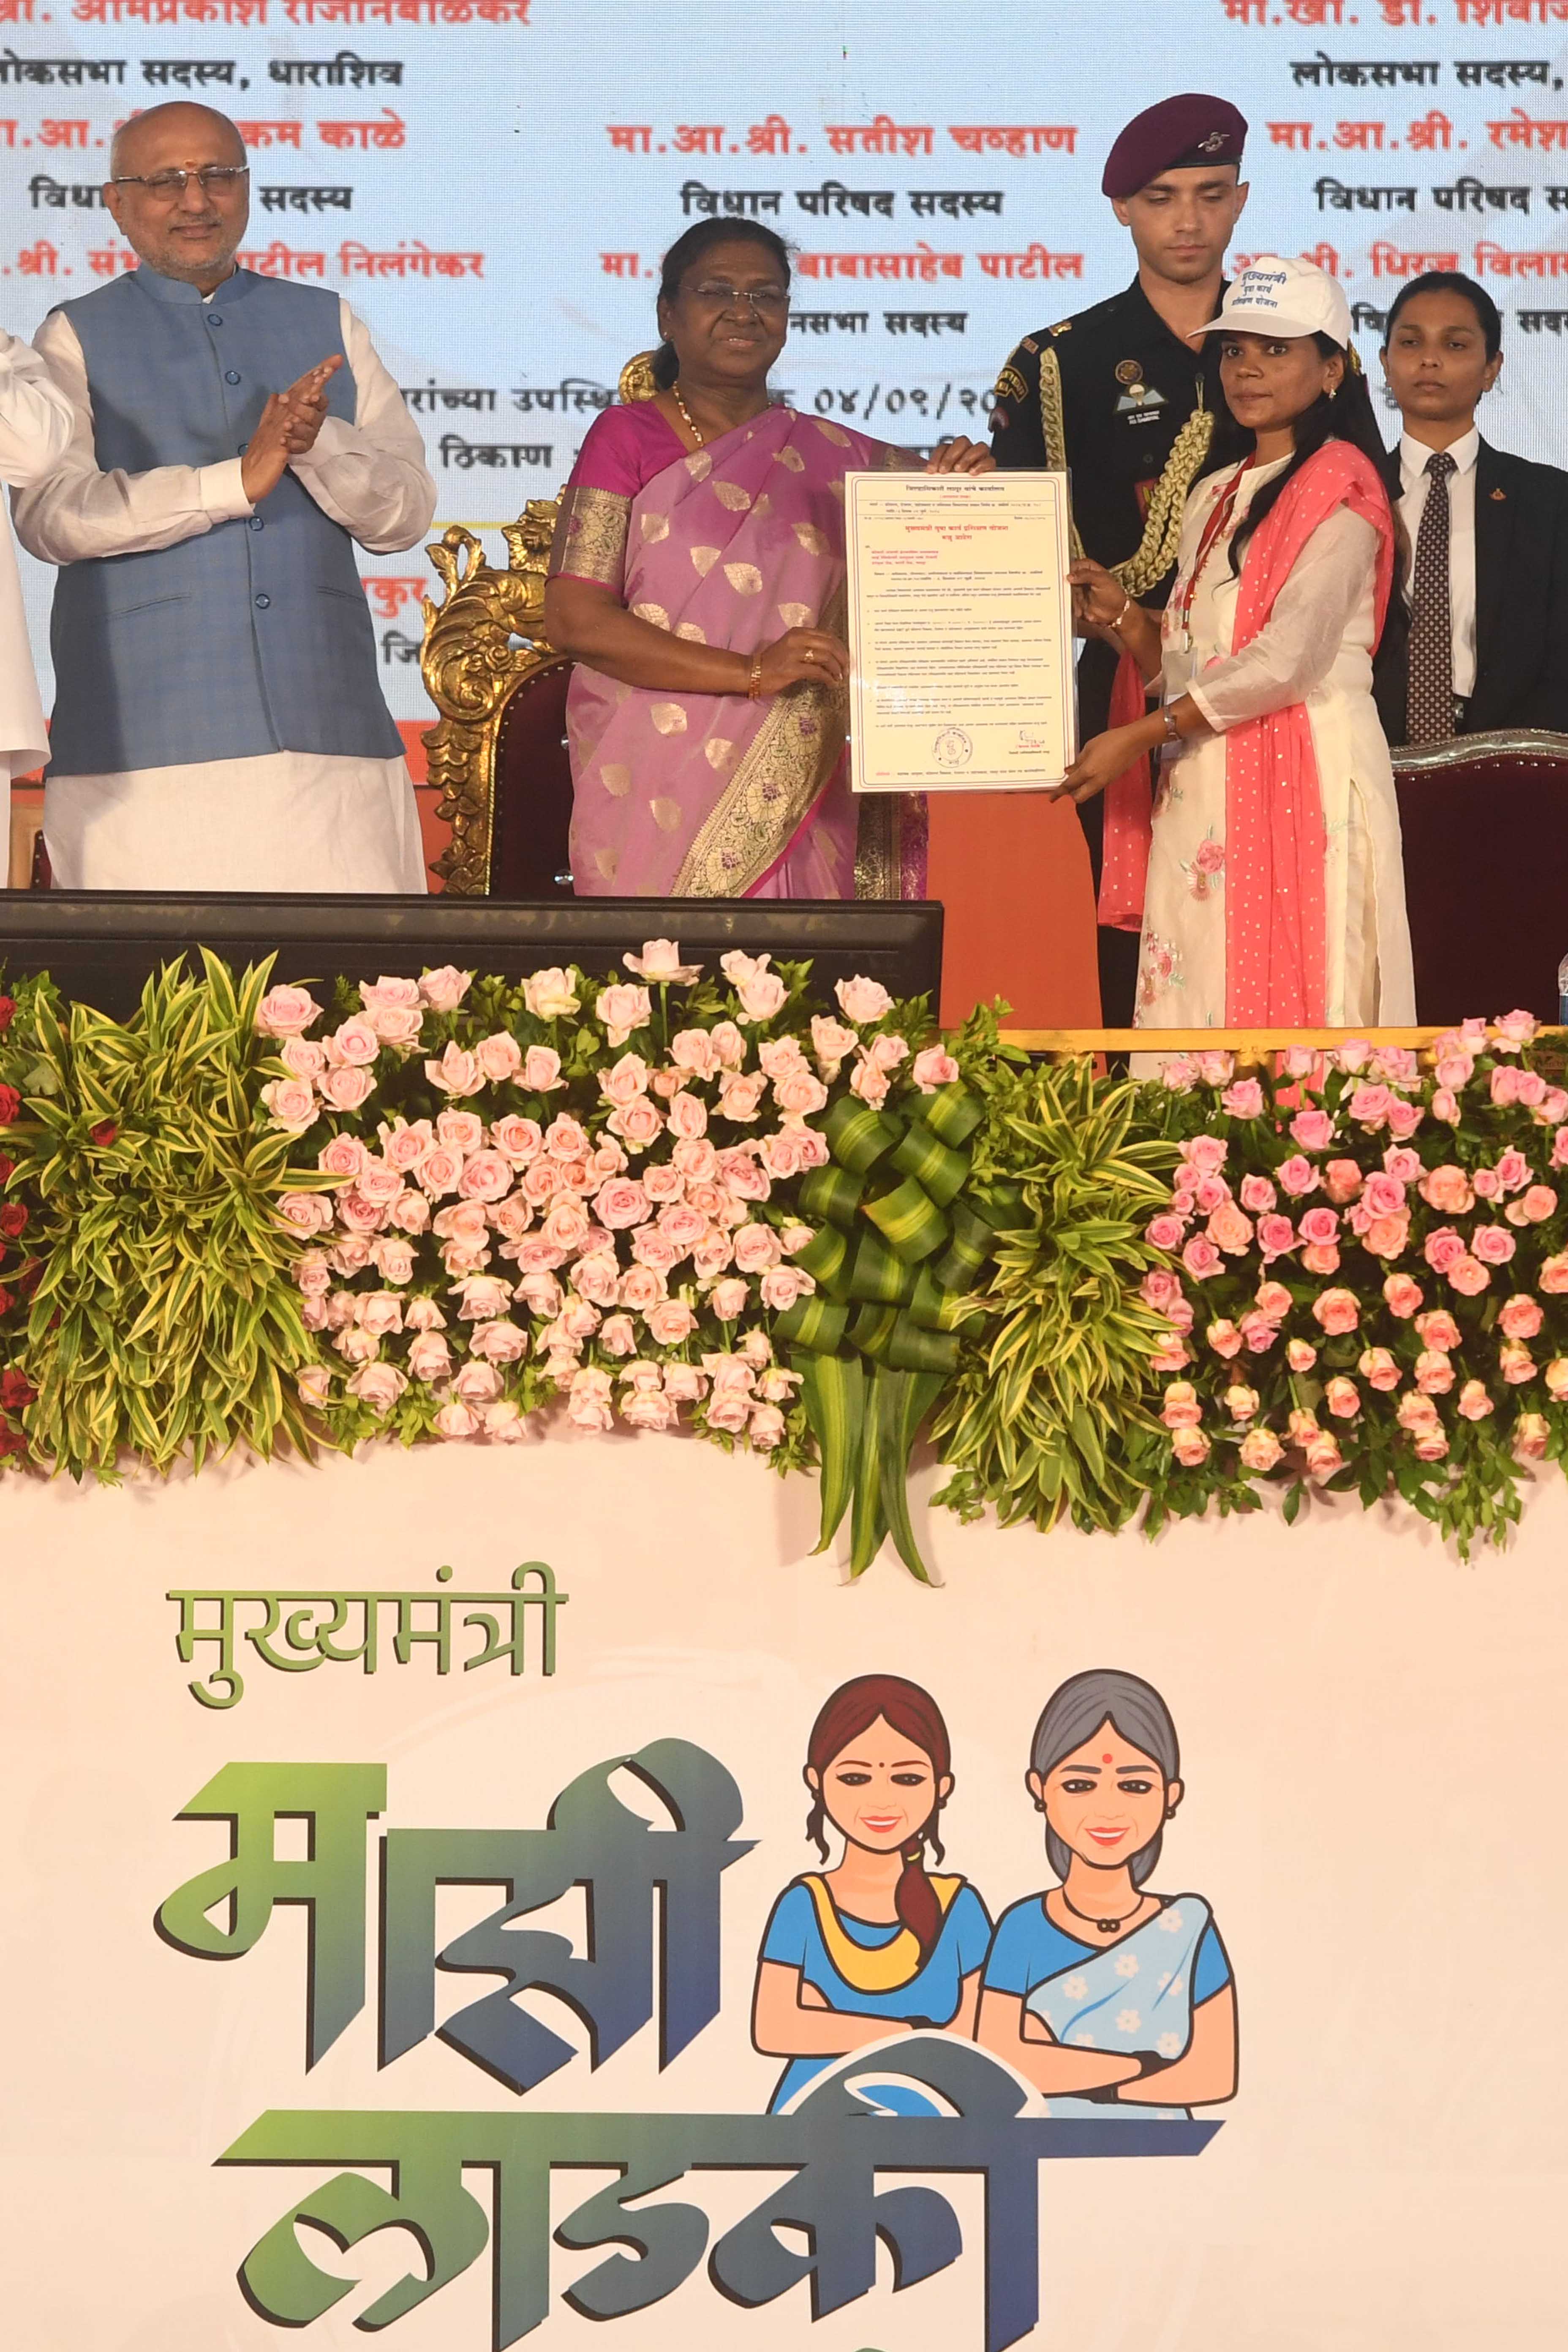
1315	648
1269	881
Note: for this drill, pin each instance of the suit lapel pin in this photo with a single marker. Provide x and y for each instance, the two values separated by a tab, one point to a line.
1500	494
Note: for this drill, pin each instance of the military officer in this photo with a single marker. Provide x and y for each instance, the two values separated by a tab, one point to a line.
1123	397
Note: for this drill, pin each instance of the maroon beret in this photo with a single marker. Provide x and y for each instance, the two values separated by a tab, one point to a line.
1179	134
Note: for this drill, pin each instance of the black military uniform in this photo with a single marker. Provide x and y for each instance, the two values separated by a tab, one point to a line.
1128	408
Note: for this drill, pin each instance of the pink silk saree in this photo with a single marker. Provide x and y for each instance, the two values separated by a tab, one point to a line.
699	795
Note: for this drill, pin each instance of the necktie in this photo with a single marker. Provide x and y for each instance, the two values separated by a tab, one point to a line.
1429	693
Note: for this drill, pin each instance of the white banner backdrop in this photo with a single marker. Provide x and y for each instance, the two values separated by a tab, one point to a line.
1374	1755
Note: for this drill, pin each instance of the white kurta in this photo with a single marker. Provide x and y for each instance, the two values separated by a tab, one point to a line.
35	428
1315	649
282	820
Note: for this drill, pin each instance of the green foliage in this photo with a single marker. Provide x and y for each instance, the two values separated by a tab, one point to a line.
1054	1387
163	1315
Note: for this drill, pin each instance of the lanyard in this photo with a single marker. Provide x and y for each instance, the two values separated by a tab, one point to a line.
1218	523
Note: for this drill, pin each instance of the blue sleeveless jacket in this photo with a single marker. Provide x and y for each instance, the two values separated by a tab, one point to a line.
255	636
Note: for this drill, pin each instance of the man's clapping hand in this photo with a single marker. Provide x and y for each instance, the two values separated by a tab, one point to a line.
289	424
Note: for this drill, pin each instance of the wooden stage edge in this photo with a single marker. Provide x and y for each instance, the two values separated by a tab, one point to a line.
1247	1045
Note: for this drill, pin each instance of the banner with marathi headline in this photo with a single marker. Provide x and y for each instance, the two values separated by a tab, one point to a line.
497	1897
491	182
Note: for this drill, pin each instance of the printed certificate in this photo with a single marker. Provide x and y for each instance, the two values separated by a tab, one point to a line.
961	629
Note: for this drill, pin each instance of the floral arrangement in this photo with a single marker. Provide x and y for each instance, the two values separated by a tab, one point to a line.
434	1207
1366	1276
574	1188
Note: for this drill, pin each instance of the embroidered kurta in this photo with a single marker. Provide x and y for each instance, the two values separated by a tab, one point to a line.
35	426
1314	649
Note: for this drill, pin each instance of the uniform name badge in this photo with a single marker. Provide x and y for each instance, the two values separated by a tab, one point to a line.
960	632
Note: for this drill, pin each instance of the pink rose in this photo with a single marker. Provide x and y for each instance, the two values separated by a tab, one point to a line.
1438	1329
1261	1449
565	1140
729	1410
1369	1105
933	1068
1297	1175
1473	1401
1323	1457
756	1248
499	1057
357	1345
1430	1444
653	1249
588	1405
766	1427
683	1384
694	1052
303	1058
1519	1317
1275	1235
423	1315
439	1171
1531	1435
620	1203
1240	1403
1320	1225
444	989
660	963
457	1072
1244	1099
349	1256
1493	1244
519	1138
478	1384
342	1157
403	1147
1514	1030
1469	1276
483	1298
1164	1232
1556	1378
380	1312
500	1342
782	1286
622	1009
1342	1180
396	1026
379	1386
740	1094
1206	1154
1446	1107
1488	1184
670	1322
410	1212
1538	1203
1378	1367
503	1423
384	994
1170	1355
1257	1332
1516	1362
1343	1398
641	1287
639	1123
1444	1248
1273	1299
1336	1311
1321	1257
762	994
305	1213
291	1101
862	1000
801	1092
1211	1192
286	1013
625	1080
1386	1236
1190	1446
1158	1287
1404	1118
1300	1355
540	1072
869	1083
1229	1230
1402	1295
487	1176
353	1043
346	1088
460	1130
596	1278
1258	1194
392	1258
1201	1259
1505	1085
456	1420
617	1336
429	1358
1313	1130
1182	1408
1433	1371
1383	1196
1223	1338
728	1298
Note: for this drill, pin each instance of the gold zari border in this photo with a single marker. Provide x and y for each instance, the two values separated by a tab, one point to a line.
591	536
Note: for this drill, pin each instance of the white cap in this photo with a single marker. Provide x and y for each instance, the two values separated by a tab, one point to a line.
1273	295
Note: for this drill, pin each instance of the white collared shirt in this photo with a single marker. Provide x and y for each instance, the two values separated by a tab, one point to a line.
1413	457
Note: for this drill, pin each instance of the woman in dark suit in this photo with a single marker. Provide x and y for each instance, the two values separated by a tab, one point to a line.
1479	639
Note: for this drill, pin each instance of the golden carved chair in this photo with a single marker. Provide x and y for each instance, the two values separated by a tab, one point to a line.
498	753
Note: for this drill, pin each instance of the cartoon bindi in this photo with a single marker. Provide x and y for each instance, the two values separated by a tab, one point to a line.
1105	1759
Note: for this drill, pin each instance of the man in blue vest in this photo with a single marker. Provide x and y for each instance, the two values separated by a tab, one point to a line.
218	722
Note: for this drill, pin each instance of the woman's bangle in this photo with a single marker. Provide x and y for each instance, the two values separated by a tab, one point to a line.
755	682
1173	732
1126	608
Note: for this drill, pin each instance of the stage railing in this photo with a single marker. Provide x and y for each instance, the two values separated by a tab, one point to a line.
1247	1045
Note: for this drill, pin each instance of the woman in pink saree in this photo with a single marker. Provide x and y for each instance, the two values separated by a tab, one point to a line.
697	581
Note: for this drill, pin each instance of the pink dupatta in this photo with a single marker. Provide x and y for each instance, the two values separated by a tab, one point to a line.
1275	947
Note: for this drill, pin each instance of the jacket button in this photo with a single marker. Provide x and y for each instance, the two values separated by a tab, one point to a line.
242	447
256	523
215	318
262	603
231	376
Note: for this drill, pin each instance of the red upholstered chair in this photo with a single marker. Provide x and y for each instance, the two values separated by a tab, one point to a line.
499	750
1485	824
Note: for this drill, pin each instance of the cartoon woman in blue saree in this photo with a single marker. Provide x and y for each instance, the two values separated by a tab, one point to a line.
851	1954
1111	1999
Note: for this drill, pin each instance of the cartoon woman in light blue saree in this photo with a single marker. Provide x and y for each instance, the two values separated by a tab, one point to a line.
1110	1998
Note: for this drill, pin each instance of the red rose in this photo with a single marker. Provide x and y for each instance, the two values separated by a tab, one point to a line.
6	1302
13	1219
11	1442
10	1104
15	1390
104	1133
5	1167
7	1012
